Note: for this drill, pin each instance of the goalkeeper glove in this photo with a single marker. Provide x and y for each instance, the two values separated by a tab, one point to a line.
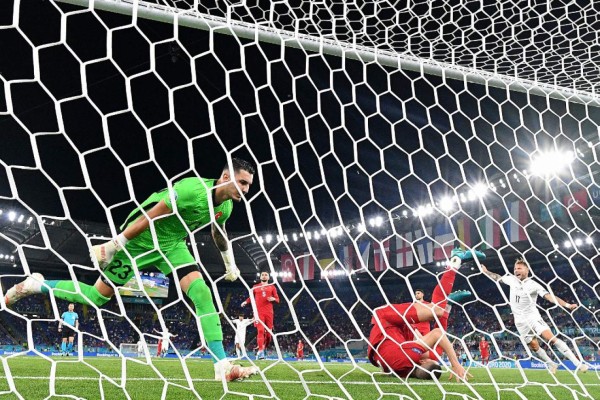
231	270
104	253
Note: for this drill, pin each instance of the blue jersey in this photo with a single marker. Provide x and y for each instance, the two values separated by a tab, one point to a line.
69	318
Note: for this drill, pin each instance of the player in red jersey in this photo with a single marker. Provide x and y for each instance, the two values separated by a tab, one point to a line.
439	296
300	350
265	294
423	327
484	349
396	346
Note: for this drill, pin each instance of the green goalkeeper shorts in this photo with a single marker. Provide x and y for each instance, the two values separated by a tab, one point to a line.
121	268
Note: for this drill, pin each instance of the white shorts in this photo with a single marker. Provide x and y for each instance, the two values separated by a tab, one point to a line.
240	340
165	346
530	329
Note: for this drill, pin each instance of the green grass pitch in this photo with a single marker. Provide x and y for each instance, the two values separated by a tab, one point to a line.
91	377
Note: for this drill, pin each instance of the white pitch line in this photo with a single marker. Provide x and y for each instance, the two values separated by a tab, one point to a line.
87	378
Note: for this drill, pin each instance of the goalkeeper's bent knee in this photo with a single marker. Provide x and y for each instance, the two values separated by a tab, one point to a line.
200	295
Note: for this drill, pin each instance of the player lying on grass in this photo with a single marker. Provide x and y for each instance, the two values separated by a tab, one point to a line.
395	346
524	292
192	203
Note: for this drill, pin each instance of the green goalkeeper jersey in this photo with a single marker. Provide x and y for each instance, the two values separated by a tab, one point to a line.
191	211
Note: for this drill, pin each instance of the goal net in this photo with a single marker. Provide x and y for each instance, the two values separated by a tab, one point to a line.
133	350
384	134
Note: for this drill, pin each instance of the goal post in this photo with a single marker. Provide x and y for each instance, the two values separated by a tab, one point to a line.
133	350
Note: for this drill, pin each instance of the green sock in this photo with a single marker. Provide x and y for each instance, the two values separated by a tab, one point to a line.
210	322
66	290
216	348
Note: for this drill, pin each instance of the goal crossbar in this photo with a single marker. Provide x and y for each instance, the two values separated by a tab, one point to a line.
403	61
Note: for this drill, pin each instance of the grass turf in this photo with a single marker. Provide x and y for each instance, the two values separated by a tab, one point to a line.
166	378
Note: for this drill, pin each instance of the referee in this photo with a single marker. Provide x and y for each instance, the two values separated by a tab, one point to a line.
71	320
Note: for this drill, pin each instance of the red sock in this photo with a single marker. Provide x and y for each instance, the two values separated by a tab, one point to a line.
442	290
260	337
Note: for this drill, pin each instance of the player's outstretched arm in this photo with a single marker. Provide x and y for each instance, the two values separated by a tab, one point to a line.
104	253
558	301
220	237
490	274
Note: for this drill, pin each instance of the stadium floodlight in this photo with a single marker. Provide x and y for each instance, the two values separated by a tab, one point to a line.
21	218
295	236
589	240
360	227
578	242
551	163
480	189
317	235
12	215
568	244
446	204
378	220
404	213
309	235
423	211
268	238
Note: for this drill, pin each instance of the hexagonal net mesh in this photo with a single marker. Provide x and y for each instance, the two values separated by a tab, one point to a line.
402	150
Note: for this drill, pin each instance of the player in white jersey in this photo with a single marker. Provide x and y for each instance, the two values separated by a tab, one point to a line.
140	348
240	334
163	343
524	292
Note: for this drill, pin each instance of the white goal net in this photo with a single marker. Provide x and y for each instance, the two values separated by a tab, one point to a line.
384	134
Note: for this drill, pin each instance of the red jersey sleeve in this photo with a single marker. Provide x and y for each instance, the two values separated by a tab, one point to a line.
274	294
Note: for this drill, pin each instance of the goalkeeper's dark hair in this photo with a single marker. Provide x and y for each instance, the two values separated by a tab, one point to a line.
238	165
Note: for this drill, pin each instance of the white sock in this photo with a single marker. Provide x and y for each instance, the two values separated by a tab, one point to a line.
237	352
542	355
564	349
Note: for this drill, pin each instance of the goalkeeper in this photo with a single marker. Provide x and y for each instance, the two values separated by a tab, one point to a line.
193	203
395	345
